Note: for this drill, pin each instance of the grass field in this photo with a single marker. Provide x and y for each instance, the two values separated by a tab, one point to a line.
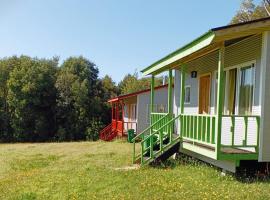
89	170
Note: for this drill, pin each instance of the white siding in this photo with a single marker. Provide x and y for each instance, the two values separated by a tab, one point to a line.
143	100
264	154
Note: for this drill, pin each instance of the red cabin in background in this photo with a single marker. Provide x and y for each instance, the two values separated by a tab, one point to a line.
125	110
118	126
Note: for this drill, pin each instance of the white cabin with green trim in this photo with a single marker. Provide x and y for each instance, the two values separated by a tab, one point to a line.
218	111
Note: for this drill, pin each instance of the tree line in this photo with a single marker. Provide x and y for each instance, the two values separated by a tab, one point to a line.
41	100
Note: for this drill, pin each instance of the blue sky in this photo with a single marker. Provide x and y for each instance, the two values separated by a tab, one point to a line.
120	36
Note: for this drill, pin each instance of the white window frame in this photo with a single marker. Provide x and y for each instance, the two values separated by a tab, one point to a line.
238	82
187	103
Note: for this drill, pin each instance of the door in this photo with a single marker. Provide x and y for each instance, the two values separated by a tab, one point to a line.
204	94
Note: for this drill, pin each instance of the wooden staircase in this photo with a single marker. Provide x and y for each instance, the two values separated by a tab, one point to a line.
107	134
157	145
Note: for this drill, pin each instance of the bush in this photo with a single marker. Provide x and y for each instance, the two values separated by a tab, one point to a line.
92	131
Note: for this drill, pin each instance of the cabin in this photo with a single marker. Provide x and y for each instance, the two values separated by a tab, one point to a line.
219	111
132	111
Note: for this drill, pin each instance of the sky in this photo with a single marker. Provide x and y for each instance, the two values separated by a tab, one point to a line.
119	36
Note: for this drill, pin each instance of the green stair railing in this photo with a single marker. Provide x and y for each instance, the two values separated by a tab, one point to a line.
156	121
157	137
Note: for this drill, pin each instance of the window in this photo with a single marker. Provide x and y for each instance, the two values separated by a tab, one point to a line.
246	90
239	89
231	92
187	94
216	88
126	110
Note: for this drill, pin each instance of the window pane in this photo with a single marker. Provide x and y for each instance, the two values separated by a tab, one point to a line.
246	90
187	95
231	92
216	89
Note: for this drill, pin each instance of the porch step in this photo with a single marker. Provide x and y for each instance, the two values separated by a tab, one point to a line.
160	156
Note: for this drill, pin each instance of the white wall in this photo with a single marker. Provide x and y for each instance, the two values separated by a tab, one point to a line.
264	154
161	97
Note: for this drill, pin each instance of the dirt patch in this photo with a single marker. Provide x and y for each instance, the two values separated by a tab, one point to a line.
127	168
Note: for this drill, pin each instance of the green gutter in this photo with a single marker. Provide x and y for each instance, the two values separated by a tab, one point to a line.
202	41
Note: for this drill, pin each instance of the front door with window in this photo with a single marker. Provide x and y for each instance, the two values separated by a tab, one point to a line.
204	94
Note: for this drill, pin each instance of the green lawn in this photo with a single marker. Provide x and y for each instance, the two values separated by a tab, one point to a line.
89	170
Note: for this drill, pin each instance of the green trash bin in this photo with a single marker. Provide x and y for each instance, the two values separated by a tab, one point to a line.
147	142
131	135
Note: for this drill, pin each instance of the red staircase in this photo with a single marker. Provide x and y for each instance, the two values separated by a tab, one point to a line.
107	134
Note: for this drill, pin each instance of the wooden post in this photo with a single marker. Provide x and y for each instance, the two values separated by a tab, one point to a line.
220	99
112	110
170	108
182	98
122	109
152	93
182	89
152	110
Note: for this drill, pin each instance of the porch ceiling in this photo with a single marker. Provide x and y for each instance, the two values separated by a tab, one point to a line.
206	43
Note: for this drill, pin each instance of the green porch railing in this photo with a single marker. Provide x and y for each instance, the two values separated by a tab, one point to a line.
156	121
201	129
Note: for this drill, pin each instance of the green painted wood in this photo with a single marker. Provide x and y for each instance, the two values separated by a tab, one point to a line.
246	130
220	99
208	129
199	128
170	87
213	130
195	127
186	50
182	88
258	133
152	94
191	127
233	129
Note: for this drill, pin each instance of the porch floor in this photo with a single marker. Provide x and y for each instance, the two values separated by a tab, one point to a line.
225	150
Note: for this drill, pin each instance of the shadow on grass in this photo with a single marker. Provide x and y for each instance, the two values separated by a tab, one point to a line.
244	175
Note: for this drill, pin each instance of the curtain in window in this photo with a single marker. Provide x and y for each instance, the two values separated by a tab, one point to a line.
246	90
232	91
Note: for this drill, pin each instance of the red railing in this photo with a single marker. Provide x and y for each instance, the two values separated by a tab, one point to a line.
107	134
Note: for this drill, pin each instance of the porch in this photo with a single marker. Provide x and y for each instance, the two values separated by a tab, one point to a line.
224	122
124	115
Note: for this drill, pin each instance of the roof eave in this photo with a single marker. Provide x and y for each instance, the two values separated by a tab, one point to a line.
197	44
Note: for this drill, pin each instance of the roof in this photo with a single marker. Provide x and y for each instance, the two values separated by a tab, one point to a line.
213	37
135	93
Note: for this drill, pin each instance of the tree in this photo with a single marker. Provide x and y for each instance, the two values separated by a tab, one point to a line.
108	90
78	98
31	98
250	11
266	4
6	66
131	83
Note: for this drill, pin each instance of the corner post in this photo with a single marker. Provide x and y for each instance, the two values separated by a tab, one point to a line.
182	89
220	99
170	108
152	97
182	97
152	110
